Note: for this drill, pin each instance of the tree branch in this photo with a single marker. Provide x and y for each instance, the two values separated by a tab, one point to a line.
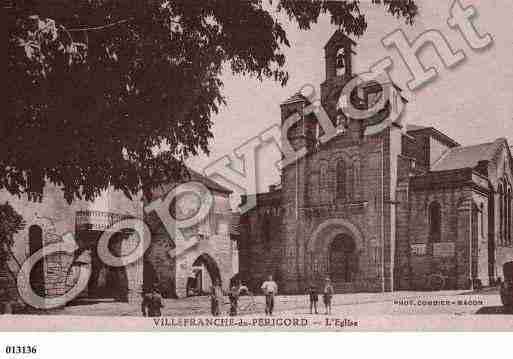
95	28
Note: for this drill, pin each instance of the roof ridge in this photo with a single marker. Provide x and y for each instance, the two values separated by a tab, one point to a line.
474	145
209	182
296	97
449	150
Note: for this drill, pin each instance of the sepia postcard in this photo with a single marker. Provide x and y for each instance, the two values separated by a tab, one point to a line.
310	165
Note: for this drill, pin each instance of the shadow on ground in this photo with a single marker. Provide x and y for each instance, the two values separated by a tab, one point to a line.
499	309
88	301
483	291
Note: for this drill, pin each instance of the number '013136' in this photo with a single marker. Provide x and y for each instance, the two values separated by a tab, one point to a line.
20	349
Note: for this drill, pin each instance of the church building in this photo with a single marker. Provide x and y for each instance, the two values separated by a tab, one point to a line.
407	208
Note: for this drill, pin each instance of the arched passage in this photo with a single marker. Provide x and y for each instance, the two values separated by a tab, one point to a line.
106	282
325	232
205	272
37	275
342	259
333	250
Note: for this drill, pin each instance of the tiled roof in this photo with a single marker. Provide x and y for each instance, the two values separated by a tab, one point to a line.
466	157
339	36
413	127
209	183
295	98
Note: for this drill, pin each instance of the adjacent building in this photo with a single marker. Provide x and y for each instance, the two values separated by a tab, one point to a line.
210	256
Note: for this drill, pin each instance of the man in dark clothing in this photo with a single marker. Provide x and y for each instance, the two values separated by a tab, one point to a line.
314	297
234	299
6	306
152	304
216	296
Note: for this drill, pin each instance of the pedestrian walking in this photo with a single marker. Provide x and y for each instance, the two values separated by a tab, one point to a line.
152	303
313	297
6	305
216	295
327	295
270	289
234	299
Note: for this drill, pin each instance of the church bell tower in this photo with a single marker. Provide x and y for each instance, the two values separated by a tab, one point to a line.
338	54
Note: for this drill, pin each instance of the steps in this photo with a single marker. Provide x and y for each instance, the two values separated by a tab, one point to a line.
343	287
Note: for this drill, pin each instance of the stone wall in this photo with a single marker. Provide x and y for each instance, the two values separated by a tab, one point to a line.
462	253
262	251
56	218
308	199
210	238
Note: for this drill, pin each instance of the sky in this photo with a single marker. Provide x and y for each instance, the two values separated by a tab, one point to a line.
471	102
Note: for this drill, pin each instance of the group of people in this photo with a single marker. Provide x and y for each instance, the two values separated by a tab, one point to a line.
151	305
217	297
152	301
270	289
327	296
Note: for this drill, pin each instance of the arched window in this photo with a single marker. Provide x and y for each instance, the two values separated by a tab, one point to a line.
482	219
37	276
504	220
35	239
324	193
313	188
509	217
323	174
435	222
340	62
505	212
356	178
341	180
501	214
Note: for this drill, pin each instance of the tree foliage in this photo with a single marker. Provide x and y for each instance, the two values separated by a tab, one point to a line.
11	222
96	86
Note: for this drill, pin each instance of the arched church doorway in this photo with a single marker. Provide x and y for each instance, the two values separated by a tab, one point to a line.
37	275
205	272
342	256
106	282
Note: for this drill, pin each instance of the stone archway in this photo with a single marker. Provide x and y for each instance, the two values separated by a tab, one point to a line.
325	232
106	282
205	272
334	249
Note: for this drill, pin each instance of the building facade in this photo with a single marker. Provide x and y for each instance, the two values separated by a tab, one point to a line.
212	253
407	208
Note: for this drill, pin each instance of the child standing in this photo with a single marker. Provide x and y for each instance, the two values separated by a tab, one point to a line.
327	295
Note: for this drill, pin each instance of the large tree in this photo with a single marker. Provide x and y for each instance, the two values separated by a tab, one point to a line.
11	222
95	86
